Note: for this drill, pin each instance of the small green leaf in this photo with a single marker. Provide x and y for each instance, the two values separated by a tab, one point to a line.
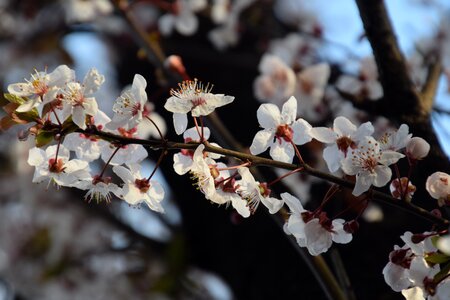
437	258
44	137
14	99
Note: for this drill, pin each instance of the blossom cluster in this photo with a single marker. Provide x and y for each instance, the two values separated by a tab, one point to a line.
415	268
72	134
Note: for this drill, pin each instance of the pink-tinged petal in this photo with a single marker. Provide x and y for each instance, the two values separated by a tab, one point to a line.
36	157
339	235
389	157
383	175
363	182
293	203
124	174
180	122
364	130
289	111
240	206
324	134
302	132
79	117
268	116
261	141
282	152
333	157
343	126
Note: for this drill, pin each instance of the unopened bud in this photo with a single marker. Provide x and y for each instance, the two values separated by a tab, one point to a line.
174	63
417	148
417	238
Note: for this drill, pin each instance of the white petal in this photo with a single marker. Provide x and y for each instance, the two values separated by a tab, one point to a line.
36	157
92	81
166	23
124	174
273	204
414	293
180	122
364	130
282	151
343	126
182	163
289	111
186	23
324	134
293	203
333	158
363	182
339	235
79	117
383	176
318	240
302	131
389	157
268	116
261	141
240	206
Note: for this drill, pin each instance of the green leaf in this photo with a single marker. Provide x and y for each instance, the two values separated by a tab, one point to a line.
44	137
14	99
437	258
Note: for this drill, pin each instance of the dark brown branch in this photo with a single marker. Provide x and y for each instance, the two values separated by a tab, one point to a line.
399	92
261	161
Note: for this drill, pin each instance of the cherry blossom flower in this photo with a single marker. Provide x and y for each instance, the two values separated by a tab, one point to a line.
317	233
227	192
311	83
438	185
182	162
42	87
296	50
370	165
137	189
366	85
395	140
276	82
87	147
193	97
98	188
204	172
256	192
76	101
58	169
280	130
129	106
344	137
183	18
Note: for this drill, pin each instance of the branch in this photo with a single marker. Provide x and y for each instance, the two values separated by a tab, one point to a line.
261	161
431	85
398	87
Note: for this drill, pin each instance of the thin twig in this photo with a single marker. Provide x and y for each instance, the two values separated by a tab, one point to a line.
431	85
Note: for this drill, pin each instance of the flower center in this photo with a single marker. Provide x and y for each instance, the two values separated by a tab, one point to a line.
285	132
344	142
142	184
306	85
39	86
401	257
264	189
198	102
56	166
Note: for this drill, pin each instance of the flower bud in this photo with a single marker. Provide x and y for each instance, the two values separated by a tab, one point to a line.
417	148
402	189
174	63
438	185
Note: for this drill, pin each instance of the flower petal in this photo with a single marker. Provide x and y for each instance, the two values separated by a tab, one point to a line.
180	122
261	141
268	116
